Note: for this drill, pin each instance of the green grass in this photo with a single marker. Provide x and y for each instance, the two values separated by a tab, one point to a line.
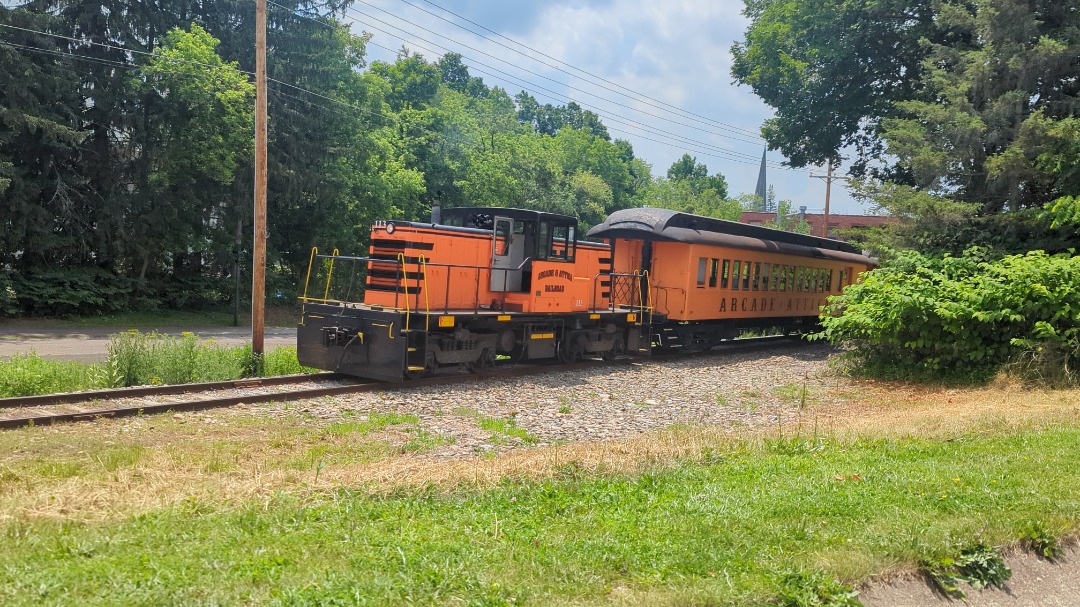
137	358
502	428
748	523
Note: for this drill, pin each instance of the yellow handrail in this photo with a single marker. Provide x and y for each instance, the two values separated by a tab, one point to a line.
329	275
307	279
427	303
405	285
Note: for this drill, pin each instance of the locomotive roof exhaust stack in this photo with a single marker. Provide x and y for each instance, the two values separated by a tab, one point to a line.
436	213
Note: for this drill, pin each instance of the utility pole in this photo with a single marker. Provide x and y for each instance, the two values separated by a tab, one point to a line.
258	266
828	177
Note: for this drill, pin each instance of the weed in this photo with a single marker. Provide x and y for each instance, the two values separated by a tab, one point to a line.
505	428
1039	540
425	441
815	589
564	409
980	566
143	359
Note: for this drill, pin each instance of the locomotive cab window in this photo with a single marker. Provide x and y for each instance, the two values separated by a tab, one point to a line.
557	241
503	229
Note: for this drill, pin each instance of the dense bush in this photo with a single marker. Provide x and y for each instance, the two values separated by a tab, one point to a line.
963	318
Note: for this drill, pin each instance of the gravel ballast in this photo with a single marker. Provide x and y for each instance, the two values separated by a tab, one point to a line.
727	389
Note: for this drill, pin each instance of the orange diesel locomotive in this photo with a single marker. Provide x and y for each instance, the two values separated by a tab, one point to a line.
473	284
480	282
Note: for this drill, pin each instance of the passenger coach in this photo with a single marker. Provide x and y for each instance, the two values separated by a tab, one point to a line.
710	278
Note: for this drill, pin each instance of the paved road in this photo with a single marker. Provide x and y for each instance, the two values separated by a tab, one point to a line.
91	344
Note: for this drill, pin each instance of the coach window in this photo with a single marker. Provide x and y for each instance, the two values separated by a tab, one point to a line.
746	276
725	273
798	278
713	270
756	276
701	266
736	270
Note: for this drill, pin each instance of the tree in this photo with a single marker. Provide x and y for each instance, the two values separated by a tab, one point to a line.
832	70
974	103
42	191
696	175
203	126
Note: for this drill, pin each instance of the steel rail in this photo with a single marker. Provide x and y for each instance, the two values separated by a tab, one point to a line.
141	391
229	401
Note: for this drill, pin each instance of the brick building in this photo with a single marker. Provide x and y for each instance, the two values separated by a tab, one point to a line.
817	220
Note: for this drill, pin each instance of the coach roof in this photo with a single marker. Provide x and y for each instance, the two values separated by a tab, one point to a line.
673	226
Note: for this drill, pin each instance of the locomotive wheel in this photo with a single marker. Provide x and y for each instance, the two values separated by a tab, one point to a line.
614	352
569	352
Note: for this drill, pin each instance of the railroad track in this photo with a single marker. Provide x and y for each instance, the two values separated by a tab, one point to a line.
144	400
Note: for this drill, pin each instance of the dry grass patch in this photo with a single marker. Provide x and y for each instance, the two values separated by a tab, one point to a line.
110	469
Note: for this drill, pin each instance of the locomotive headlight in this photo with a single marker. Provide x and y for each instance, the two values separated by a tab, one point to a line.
390	228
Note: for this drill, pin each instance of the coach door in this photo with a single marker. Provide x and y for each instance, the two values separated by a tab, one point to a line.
507	256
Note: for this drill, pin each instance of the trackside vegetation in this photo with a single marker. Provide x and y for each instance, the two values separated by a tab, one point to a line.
793	521
137	359
963	318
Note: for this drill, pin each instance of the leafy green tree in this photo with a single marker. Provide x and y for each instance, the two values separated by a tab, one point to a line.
832	70
678	195
203	128
41	188
696	175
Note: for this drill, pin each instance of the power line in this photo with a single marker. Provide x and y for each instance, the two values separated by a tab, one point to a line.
121	48
527	71
716	151
508	78
632	93
103	61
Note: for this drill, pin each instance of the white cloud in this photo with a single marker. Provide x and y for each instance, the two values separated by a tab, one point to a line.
676	52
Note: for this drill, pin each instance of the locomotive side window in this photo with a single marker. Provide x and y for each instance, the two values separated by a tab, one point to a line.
713	271
725	273
736	270
557	242
502	237
746	276
701	265
545	233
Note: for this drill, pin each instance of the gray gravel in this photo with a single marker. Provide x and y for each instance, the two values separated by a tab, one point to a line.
721	388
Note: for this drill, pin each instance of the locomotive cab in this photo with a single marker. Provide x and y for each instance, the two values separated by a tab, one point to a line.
519	238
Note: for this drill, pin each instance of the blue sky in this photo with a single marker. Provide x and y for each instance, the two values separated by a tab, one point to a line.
646	58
